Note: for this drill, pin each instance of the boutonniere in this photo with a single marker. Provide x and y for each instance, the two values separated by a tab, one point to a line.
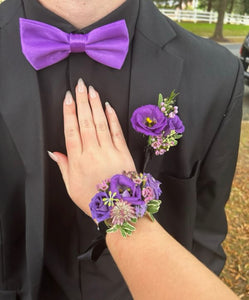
160	123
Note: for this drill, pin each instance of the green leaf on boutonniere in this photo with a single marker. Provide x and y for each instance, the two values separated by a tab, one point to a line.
149	140
160	100
178	136
172	97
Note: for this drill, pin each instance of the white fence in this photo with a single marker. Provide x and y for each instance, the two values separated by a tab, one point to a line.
203	16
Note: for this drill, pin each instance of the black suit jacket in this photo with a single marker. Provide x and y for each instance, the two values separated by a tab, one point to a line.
196	175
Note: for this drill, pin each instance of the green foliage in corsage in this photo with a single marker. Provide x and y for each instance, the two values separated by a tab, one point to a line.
153	207
126	229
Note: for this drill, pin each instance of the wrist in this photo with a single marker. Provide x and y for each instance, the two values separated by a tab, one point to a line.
145	230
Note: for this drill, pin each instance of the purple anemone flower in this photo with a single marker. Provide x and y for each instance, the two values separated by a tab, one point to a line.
99	210
149	120
126	189
174	124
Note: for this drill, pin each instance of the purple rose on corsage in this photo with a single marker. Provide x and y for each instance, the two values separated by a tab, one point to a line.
174	124
99	210
126	189
154	184
149	120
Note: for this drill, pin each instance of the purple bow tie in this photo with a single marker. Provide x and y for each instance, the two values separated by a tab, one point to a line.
44	45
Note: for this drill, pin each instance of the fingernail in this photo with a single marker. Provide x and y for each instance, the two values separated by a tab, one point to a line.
52	156
108	107
81	86
92	92
68	98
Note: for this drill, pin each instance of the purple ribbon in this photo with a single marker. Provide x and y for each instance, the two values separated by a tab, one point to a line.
44	45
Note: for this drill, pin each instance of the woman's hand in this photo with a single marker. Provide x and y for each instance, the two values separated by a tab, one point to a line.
96	147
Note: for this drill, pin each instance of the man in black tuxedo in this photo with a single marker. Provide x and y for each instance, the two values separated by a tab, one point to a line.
41	230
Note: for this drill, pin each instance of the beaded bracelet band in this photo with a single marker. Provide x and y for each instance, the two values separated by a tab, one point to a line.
124	198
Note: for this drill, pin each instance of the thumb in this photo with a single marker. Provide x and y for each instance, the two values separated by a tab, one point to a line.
62	162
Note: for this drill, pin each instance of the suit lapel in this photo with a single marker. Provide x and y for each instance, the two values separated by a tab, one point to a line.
155	68
21	111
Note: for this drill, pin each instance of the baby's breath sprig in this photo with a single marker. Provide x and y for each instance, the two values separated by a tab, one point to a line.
167	104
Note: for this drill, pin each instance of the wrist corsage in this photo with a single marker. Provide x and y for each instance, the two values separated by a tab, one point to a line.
123	199
160	123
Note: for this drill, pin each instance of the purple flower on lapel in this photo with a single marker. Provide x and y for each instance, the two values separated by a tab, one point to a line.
126	189
174	124
149	120
160	123
99	210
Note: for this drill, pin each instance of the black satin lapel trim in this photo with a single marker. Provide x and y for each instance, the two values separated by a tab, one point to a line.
21	111
154	70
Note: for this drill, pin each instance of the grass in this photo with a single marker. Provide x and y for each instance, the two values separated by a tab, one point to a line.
207	30
236	271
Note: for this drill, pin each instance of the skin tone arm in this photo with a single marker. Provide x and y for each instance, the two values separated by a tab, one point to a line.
154	265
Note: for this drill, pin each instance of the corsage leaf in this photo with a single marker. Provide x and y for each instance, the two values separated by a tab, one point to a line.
112	229
134	220
151	217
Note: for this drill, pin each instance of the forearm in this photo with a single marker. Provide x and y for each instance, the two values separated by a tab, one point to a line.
155	265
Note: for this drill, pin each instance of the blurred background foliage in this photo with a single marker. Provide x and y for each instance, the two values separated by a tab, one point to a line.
233	6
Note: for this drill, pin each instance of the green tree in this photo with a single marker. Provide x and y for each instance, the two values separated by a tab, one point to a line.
233	6
230	6
241	7
209	5
218	33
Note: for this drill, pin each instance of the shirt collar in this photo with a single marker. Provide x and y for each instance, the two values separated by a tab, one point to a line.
128	11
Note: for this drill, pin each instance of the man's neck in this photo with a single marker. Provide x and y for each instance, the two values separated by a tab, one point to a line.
81	13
